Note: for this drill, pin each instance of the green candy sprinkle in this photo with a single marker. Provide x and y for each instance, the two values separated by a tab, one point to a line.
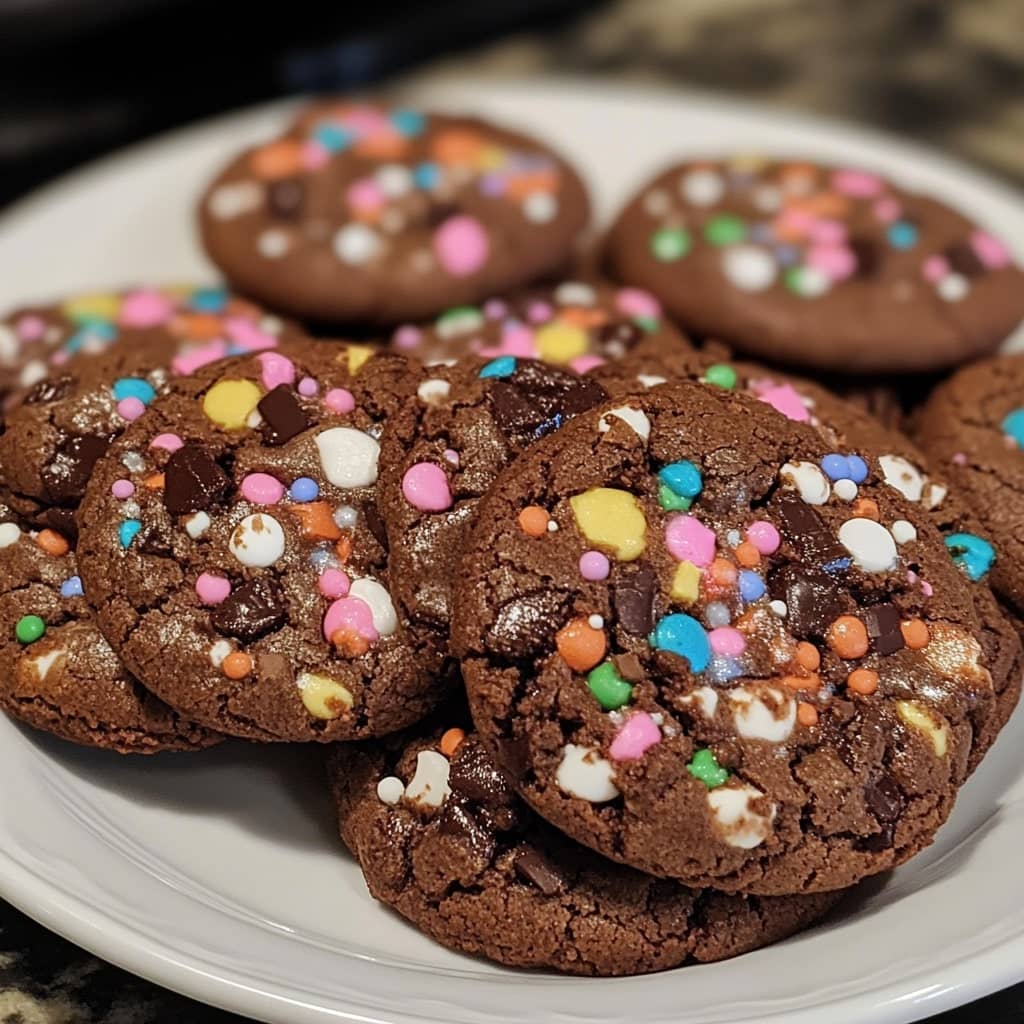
721	375
725	230
668	499
669	244
648	323
610	689
29	629
704	766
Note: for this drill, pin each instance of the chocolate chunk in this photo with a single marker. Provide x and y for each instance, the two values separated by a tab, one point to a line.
964	260
514	753
285	198
50	389
867	254
192	481
283	417
63	521
255	608
628	666
532	866
633	600
375	524
475	776
883	625
616	339
884	799
64	479
527	624
876	842
806	531
813	599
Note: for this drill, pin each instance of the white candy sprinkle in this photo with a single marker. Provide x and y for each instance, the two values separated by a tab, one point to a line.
813	282
273	243
845	489
131	510
583	773
382	610
219	651
651	380
903	532
552	526
953	287
390	790
9	534
232	200
433	391
133	462
717	614
767	198
748	267
636	418
356	244
540	207
429	786
348	456
733	538
869	543
702	187
903	475
778	608
575	293
739	825
32	373
345	516
254	419
811	484
271	324
197	524
258	540
595	622
394	180
755	718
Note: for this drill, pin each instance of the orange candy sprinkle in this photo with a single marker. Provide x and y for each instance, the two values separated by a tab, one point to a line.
237	665
806	714
866	508
317	520
155	482
52	543
533	520
580	645
451	741
810	682
848	637
915	634
747	555
808	656
863	681
457	146
344	547
279	159
722	573
198	326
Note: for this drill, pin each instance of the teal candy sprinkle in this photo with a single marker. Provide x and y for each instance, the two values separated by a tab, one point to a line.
972	553
669	500
902	235
408	122
332	137
208	300
90	332
128	531
134	387
1013	426
504	366
683	635
682	478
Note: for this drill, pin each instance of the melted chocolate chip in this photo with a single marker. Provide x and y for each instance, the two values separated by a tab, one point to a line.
254	609
532	866
616	339
527	624
283	417
457	821
64	479
192	481
475	776
876	842
633	600
375	524
883	625
813	599
49	389
964	260
285	198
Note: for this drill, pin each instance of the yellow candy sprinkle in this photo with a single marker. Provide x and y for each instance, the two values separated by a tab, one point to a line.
559	343
95	306
357	355
323	696
490	157
229	403
917	716
686	583
611	519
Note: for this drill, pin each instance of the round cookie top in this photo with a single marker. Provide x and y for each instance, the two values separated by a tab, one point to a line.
576	324
100	359
442	451
443	839
231	544
741	663
57	673
820	266
360	213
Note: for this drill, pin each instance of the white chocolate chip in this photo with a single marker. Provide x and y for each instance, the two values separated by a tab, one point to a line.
32	373
934	495
394	180
234	199
323	697
9	534
258	540
953	287
870	544
636	418
429	786
737	822
219	651
811	484
763	713
651	380
705	697
575	293
702	187
540	207
926	721
433	391
898	472
273	243
748	267
197	524
348	456
356	244
390	790
583	773
376	597
903	531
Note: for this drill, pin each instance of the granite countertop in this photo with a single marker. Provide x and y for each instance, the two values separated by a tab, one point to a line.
950	74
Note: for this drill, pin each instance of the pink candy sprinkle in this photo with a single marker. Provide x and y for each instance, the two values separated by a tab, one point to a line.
638	733
461	245
277	369
989	250
452	456
786	399
728	642
425	487
407	336
308	387
959	458
495	309
247	336
764	537
539	312
130	408
262	489
635	302
333	583
365	195
689	540
837	262
828	232
935	268
594	565
887	209
122	489
314	156
167	442
192	359
516	340
582	364
212	589
350	615
340	400
30	328
858	184
145	308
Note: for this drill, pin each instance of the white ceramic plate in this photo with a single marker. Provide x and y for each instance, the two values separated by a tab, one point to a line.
219	874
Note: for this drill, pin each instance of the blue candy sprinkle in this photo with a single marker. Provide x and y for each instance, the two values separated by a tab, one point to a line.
72	587
858	468
94	330
322	559
304	489
902	235
208	300
503	366
332	137
836	467
1013	426
972	553
685	636
426	176
408	122
787	255
682	478
723	669
751	585
128	531
134	387
837	565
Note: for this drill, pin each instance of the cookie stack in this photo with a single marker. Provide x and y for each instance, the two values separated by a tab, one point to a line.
627	652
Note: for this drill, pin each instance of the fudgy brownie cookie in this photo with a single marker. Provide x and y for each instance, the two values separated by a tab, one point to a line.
818	266
442	837
231	545
360	213
734	655
575	324
57	673
100	360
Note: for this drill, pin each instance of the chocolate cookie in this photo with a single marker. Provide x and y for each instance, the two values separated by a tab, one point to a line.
575	324
57	673
734	656
101	360
818	266
231	546
442	451
443	839
366	214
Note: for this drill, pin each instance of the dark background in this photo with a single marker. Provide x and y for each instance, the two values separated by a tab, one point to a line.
81	77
